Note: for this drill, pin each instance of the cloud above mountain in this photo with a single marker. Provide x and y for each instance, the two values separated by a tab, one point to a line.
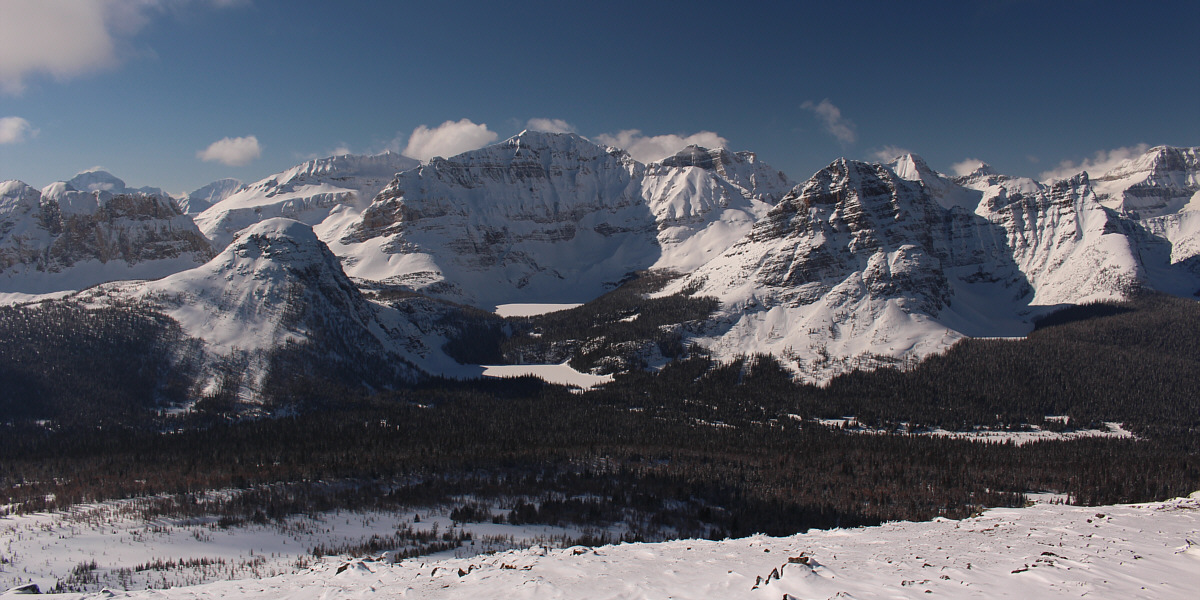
1101	162
448	139
549	125
232	152
651	148
14	130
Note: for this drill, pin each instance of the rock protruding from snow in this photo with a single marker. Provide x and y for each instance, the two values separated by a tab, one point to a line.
62	238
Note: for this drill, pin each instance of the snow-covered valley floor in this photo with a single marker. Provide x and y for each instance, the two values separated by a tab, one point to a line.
1047	550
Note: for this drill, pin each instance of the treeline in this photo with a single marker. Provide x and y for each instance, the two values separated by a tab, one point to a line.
506	440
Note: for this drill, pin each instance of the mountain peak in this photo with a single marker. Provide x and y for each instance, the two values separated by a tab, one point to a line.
278	239
97	180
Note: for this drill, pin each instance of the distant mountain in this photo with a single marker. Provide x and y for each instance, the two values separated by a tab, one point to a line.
324	193
545	217
64	238
202	199
1163	180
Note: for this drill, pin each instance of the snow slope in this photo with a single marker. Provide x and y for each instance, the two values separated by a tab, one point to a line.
1125	551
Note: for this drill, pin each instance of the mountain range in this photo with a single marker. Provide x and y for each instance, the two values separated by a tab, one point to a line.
363	267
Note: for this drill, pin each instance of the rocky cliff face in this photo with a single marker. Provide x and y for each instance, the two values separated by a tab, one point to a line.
61	238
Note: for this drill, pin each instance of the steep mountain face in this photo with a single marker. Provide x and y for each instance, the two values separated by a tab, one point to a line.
858	267
1163	180
62	238
1070	247
275	305
326	193
548	217
204	198
870	264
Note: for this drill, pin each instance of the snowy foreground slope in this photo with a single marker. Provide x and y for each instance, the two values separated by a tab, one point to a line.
1126	551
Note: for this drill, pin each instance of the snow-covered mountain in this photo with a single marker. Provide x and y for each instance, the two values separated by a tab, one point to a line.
871	264
326	193
1163	180
278	294
202	199
861	265
65	237
546	217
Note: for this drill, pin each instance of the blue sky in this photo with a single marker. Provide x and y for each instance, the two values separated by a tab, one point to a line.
145	87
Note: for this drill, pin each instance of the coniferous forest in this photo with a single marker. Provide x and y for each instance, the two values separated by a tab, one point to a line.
698	448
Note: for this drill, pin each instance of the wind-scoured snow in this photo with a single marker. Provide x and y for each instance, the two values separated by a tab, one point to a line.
1125	551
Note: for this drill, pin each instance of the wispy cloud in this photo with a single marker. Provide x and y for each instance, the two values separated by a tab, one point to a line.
549	125
887	154
966	166
651	148
831	117
233	152
69	38
1101	162
14	130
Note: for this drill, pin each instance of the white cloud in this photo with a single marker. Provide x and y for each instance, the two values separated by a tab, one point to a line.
887	154
966	166
14	130
233	152
651	148
1101	162
68	38
837	125
447	139
550	126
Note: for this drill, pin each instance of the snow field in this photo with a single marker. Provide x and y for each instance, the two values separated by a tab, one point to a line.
1125	551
